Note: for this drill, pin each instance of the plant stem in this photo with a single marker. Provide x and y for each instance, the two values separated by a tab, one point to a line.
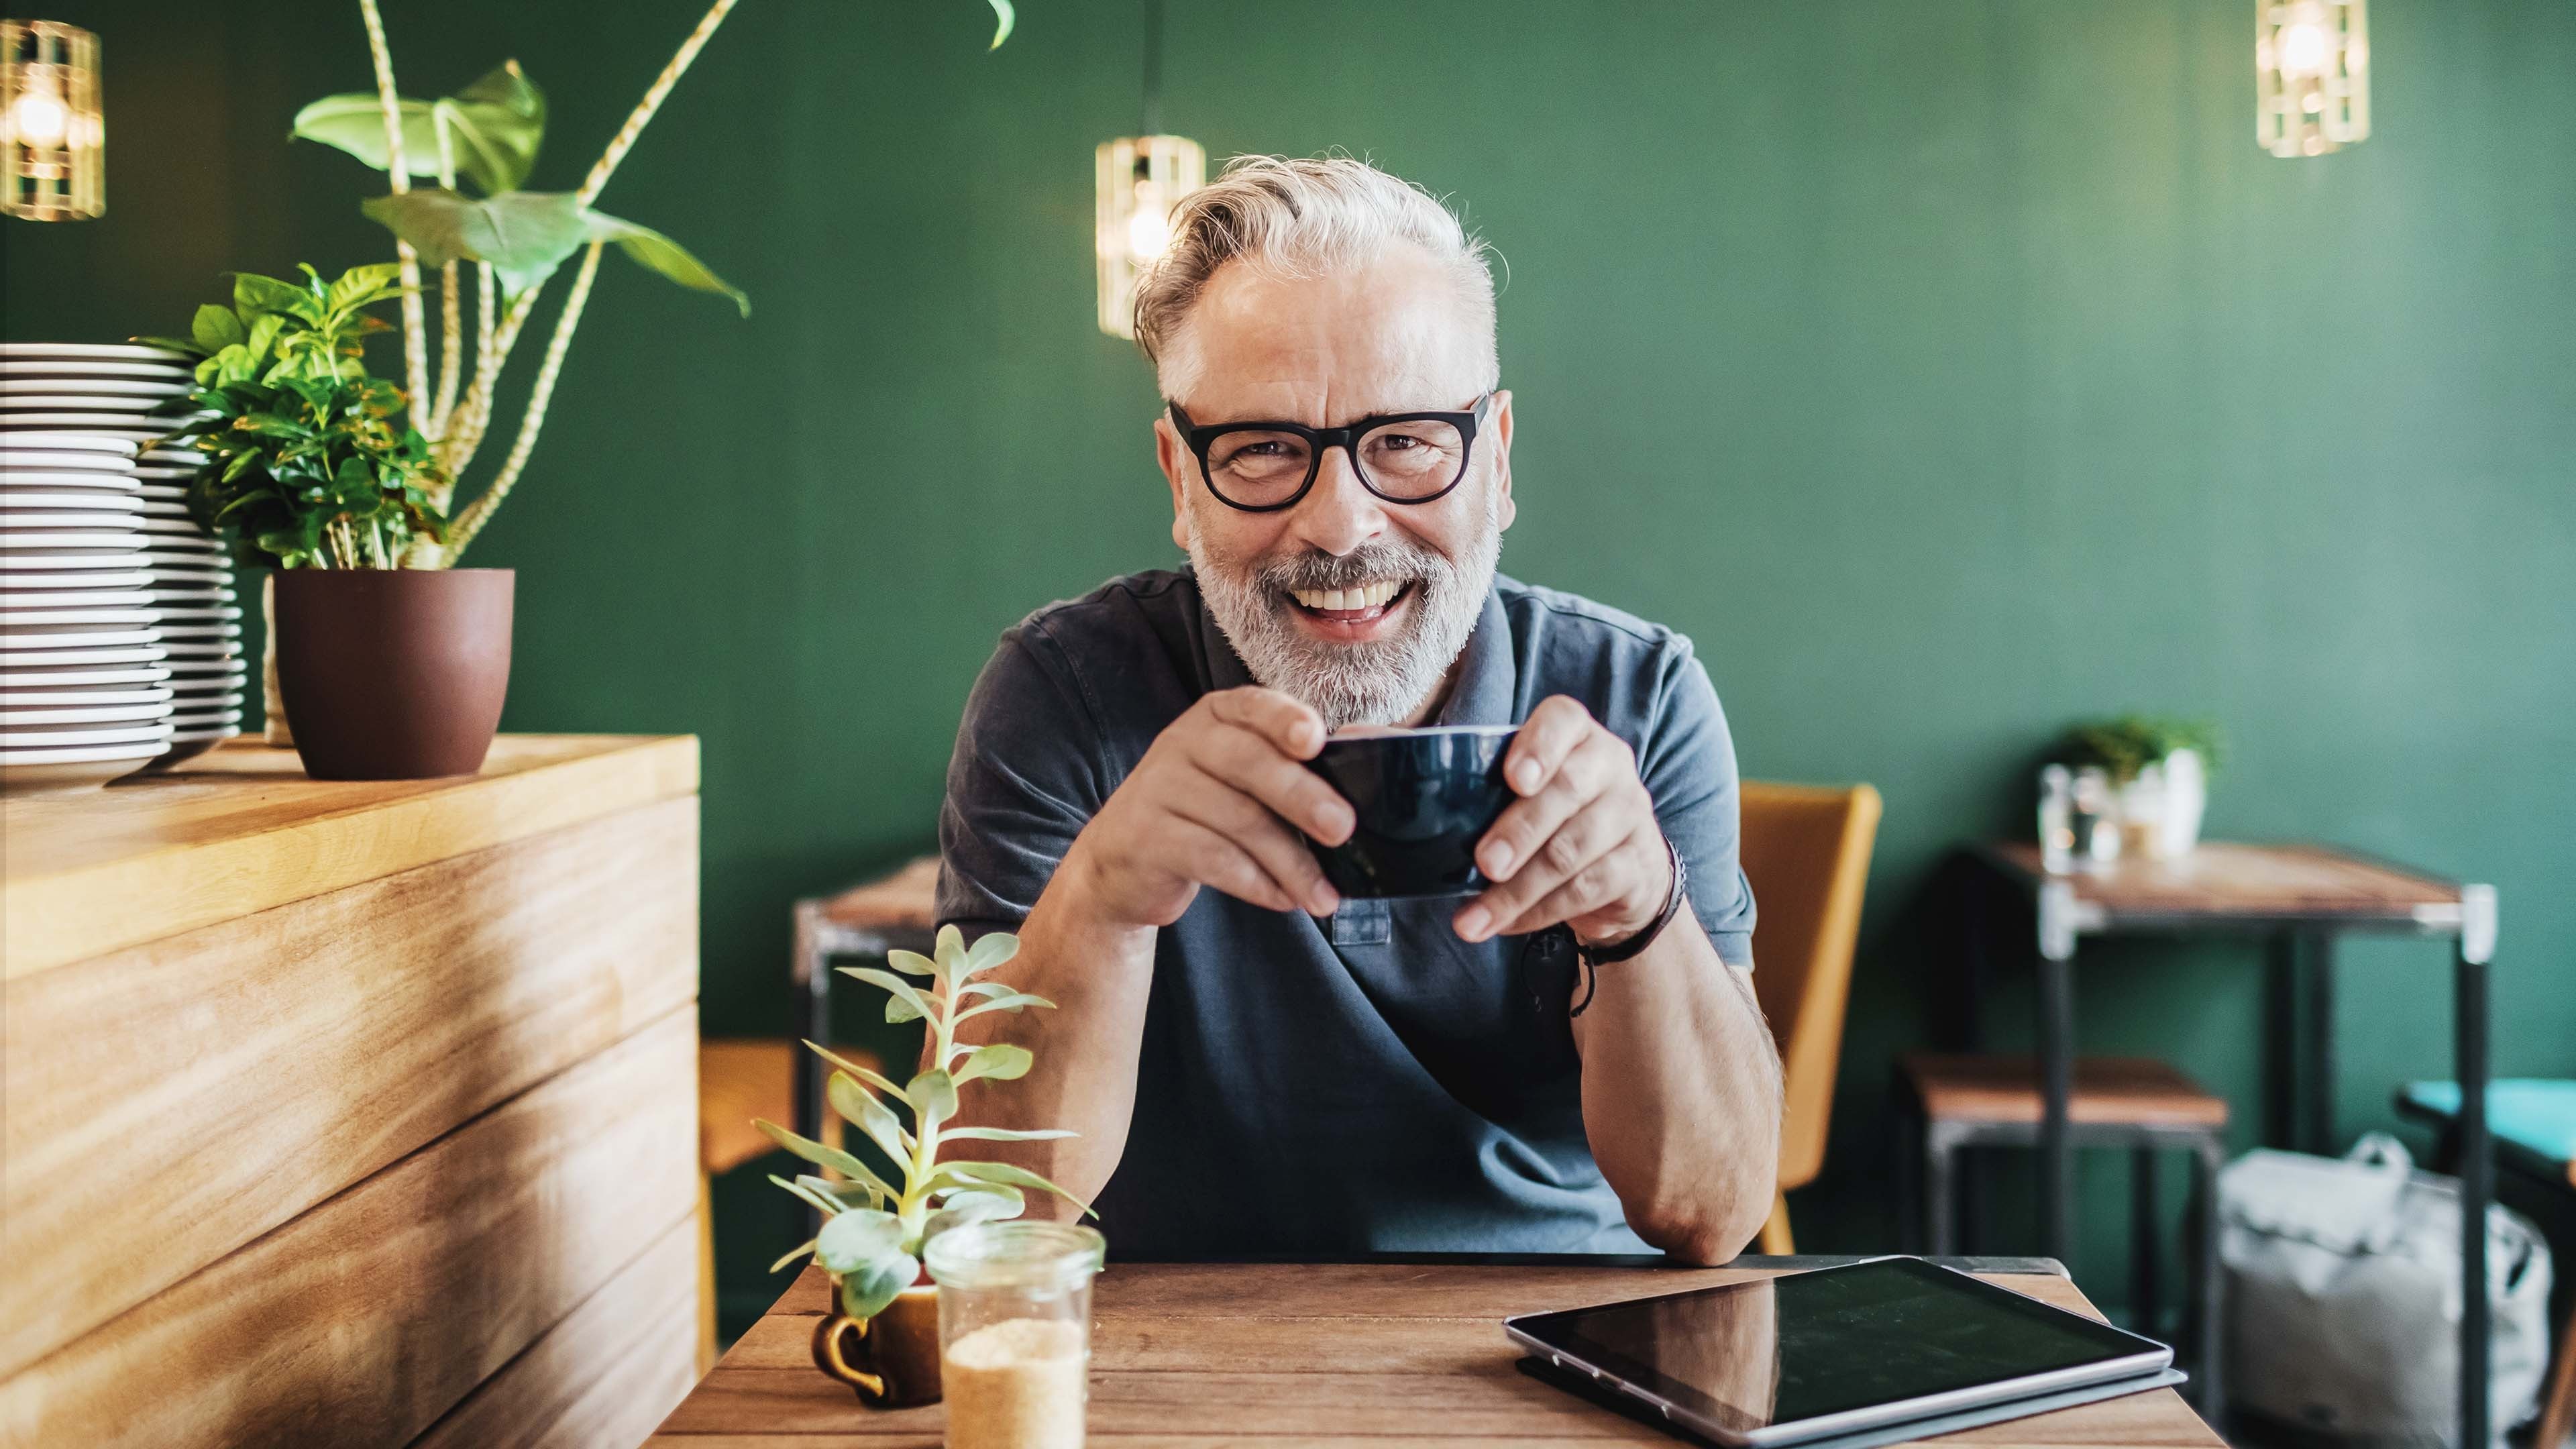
415	331
472	520
451	330
624	140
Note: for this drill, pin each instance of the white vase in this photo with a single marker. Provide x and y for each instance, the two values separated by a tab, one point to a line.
2186	800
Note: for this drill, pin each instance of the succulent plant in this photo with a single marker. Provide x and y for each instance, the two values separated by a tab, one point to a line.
873	1230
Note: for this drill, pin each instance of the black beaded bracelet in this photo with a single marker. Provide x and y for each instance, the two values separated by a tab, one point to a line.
1594	957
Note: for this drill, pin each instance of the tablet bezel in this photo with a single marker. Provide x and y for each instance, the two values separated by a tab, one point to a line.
1687	1404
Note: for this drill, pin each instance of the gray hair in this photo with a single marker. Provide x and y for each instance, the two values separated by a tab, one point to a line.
1301	218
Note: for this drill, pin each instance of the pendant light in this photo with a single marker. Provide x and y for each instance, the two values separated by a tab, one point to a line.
53	139
2311	75
1137	182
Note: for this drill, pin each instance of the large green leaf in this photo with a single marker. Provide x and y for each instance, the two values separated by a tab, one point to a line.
526	235
964	1208
977	1174
989	951
862	1109
822	1155
1006	1134
866	1292
1005	17
1001	1061
933	1095
860	1070
851	1239
494	127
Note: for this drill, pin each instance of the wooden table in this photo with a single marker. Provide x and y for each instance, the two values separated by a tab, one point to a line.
352	1113
1387	1352
2301	897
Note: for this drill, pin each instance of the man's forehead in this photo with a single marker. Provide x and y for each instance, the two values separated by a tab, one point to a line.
1391	335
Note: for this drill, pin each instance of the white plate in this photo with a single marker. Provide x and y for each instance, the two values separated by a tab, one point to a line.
186	715
47	771
70	560
208	673
58	402
169	576
151	696
15	717
140	649
79	637
181	649
201	632
128	351
95	677
50	545
19	501
41	737
111	388
77	440
205	693
74	599
89	371
191	613
98	480
93	530
184	737
118	423
14	581
18	466
160	492
21	621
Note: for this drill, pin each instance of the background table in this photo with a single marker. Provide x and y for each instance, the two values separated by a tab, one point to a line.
2301	896
1396	1351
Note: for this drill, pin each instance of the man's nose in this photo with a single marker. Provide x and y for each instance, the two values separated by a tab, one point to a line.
1338	514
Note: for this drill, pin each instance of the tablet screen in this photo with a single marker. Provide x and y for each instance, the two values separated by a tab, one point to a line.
1805	1345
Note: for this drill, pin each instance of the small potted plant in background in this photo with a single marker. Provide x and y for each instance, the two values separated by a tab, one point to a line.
2159	768
882	1337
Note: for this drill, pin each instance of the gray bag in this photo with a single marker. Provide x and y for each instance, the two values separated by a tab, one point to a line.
2343	1296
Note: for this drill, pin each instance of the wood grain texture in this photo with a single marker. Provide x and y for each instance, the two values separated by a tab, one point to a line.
2128	1091
605	1375
364	1320
241	831
2222	879
1193	1355
251	1069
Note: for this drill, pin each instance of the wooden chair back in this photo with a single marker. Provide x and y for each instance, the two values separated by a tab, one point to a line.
1806	850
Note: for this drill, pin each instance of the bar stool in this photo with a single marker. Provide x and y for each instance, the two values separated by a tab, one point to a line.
2133	1102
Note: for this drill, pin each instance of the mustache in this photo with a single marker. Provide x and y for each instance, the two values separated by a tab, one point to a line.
1365	564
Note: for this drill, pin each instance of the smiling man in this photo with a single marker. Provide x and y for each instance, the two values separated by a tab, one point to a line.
1571	1061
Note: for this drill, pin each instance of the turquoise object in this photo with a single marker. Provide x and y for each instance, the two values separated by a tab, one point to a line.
2535	1114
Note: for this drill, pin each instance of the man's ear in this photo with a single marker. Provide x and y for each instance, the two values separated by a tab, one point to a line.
1173	458
1501	418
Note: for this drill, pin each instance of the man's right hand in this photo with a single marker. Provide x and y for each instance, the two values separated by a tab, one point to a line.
1217	801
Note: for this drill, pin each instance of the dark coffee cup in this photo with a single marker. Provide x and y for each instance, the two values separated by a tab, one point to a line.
1423	798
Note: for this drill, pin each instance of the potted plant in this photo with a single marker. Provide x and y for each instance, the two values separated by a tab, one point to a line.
313	470
2160	769
873	1230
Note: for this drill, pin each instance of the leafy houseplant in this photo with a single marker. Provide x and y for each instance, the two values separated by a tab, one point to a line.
309	462
873	1229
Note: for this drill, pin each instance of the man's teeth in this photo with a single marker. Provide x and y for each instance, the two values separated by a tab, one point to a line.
1366	596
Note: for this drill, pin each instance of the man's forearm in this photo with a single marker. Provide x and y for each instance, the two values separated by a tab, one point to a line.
1084	1079
1681	1095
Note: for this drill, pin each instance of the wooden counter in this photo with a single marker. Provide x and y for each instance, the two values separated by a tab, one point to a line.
352	1113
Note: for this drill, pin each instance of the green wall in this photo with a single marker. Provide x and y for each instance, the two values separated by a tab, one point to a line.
1946	370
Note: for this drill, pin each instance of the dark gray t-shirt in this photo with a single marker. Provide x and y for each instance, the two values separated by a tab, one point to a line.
1367	1081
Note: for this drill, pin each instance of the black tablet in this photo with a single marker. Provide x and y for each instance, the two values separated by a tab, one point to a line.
1810	1355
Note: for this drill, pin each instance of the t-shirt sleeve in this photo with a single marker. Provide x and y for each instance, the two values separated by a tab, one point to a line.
1688	764
1024	779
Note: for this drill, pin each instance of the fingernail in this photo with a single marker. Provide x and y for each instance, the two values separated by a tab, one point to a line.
1525	775
1473	921
1309	738
1327	901
1498	858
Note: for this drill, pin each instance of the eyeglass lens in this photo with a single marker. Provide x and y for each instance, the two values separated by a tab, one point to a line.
1256	468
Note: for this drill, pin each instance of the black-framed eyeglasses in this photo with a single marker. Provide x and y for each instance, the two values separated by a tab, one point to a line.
1262	467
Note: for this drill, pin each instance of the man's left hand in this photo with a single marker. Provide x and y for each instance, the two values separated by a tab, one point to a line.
1580	846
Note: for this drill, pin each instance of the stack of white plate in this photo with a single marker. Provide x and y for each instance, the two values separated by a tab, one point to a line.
94	558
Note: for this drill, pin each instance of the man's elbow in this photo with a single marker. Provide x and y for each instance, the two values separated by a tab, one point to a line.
1711	1227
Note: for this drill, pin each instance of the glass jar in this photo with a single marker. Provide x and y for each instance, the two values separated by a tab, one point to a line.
1015	1332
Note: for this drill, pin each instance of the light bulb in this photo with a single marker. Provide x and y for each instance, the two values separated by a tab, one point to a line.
2303	49
39	119
1149	228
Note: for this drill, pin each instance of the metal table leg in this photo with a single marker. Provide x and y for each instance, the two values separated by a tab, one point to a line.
2056	1068
2281	1045
2477	1163
2316	965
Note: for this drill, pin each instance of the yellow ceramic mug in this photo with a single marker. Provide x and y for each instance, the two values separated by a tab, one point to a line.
892	1360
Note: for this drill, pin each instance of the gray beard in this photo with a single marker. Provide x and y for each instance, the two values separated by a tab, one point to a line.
1377	682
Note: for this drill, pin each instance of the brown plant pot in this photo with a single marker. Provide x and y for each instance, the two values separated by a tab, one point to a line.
393	674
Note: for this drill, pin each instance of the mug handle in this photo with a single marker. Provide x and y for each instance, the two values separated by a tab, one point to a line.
828	1355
